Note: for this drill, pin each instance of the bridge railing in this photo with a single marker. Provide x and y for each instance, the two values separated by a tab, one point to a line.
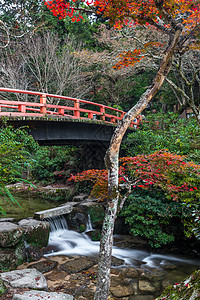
75	108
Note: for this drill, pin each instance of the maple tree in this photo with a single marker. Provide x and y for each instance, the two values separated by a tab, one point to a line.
179	20
163	171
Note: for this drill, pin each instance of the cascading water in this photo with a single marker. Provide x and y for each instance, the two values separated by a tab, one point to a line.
69	242
89	225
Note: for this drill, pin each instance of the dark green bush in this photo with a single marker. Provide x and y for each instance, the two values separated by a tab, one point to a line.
54	163
153	216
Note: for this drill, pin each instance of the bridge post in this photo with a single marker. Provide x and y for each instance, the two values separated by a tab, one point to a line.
112	119
43	100
61	111
90	115
102	110
76	109
22	108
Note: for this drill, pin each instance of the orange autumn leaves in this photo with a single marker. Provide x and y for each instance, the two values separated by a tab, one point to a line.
138	11
163	170
157	14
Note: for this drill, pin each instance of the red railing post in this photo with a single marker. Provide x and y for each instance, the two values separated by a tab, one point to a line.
43	100
22	108
122	114
90	115
139	120
61	111
112	119
102	110
76	109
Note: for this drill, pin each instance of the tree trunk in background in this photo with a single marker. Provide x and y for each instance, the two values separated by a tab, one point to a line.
111	160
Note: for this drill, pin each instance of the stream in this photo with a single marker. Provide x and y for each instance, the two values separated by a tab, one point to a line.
68	242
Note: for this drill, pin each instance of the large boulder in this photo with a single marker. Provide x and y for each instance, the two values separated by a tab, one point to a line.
10	234
27	278
36	232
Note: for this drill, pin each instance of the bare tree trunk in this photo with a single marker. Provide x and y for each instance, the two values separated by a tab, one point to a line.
111	160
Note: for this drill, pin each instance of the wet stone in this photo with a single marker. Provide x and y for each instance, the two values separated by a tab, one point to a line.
119	288
125	272
77	265
145	286
117	262
141	297
44	266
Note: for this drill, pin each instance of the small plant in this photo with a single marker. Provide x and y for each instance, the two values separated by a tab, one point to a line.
82	228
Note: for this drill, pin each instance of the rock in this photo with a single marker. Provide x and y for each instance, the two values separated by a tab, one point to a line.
6	219
77	265
119	288
125	272
34	253
121	291
80	198
141	297
36	232
146	286
117	262
10	258
36	295
166	265
80	219
44	266
27	278
10	234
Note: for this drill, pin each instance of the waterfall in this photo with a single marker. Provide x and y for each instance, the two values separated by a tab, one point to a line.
89	224
63	241
58	224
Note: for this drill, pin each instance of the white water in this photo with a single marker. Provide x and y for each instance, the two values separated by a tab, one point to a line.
69	242
89	225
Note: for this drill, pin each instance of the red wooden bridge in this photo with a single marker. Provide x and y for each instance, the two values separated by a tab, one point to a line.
76	121
75	108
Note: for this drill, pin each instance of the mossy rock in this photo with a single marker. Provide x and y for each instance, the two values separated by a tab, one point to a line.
11	258
36	232
189	289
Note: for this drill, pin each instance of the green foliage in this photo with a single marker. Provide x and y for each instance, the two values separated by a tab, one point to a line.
54	163
153	216
177	135
84	32
97	214
15	157
95	235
